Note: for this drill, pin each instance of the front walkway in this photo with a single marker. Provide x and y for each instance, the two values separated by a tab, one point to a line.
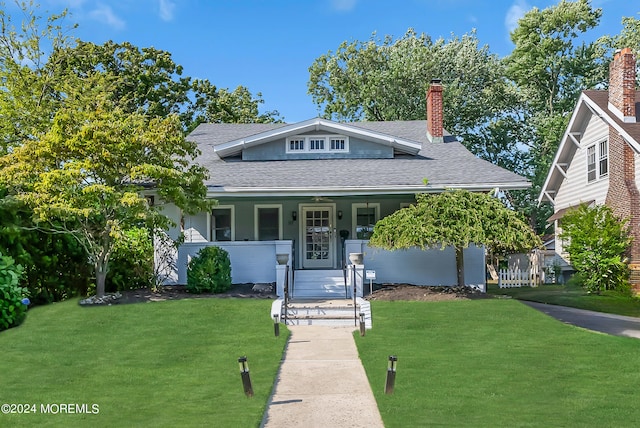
321	383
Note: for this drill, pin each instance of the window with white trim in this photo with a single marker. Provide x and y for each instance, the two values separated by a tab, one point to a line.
364	217
591	163
295	145
222	224
317	143
268	222
337	144
597	161
604	158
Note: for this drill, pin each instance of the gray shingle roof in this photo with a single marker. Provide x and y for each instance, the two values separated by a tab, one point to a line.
447	164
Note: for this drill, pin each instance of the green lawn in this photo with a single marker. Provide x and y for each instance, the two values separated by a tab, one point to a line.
496	362
155	364
573	296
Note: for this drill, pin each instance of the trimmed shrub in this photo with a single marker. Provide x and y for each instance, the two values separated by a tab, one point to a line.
13	298
598	243
209	271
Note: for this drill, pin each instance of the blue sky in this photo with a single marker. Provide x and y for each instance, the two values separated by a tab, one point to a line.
268	45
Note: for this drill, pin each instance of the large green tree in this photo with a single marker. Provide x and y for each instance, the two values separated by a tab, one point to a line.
550	65
455	218
388	79
86	175
150	82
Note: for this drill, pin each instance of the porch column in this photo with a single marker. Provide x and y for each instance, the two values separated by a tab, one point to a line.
280	275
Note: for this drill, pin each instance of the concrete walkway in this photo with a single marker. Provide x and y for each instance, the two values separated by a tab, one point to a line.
617	325
321	383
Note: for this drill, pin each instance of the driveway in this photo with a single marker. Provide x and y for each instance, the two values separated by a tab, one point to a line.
617	325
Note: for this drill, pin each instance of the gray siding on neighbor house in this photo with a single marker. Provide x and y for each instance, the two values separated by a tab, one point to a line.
358	149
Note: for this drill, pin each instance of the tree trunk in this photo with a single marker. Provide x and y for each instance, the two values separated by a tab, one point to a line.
460	265
101	277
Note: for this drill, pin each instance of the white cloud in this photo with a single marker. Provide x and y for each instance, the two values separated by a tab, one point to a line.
344	5
166	10
515	12
104	14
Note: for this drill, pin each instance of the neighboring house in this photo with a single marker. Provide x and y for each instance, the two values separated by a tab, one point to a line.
315	189
598	160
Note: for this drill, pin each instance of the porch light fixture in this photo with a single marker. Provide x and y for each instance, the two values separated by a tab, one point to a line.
294	215
339	214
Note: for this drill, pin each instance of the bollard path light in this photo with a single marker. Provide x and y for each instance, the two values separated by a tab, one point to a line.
391	374
362	324
276	325
244	374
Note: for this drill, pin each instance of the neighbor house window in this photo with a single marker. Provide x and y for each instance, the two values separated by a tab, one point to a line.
364	218
591	163
597	161
317	143
604	158
222	224
268	222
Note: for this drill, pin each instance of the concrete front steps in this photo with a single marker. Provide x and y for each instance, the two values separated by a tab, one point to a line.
319	284
318	297
329	312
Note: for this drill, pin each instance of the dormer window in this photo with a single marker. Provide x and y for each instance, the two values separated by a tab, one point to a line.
317	143
296	145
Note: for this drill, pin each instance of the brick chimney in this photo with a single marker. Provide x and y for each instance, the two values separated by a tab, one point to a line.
435	112
623	195
622	85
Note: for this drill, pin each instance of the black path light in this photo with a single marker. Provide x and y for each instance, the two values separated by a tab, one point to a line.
391	374
276	325
362	325
246	379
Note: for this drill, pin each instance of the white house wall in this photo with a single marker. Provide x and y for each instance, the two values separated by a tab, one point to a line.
575	189
196	227
418	267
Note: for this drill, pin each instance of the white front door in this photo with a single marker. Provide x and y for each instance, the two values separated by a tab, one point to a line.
318	236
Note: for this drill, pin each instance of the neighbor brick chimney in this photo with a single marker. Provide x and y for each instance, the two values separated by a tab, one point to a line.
623	195
622	85
435	129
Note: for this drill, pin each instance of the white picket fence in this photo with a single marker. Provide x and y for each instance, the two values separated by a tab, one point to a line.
511	278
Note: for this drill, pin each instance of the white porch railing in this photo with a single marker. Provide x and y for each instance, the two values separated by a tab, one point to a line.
515	278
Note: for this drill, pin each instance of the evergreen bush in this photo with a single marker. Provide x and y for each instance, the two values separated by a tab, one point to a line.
209	271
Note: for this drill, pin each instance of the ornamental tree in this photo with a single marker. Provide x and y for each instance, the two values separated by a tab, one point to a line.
455	218
598	243
86	175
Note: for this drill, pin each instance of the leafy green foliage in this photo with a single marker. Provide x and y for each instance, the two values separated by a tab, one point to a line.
132	261
209	271
85	176
13	309
455	218
55	265
598	241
